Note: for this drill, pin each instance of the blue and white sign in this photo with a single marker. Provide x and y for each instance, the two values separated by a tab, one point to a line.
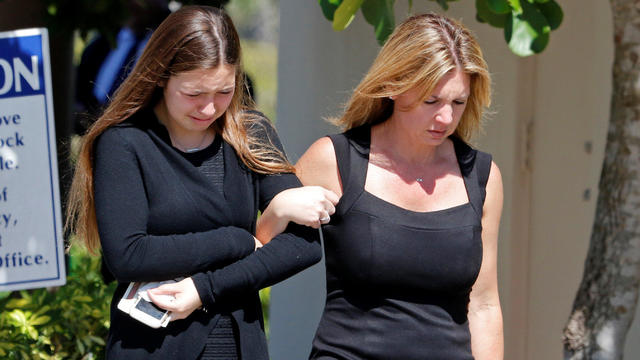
31	243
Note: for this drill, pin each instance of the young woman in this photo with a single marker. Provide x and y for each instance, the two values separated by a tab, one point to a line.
168	184
411	250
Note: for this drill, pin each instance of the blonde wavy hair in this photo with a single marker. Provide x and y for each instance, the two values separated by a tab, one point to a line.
418	54
194	37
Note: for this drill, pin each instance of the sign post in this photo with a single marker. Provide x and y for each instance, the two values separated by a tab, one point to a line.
31	243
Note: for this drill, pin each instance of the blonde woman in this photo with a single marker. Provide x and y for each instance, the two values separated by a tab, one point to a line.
168	184
411	250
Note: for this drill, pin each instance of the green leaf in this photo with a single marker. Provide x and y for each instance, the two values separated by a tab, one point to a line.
33	333
40	320
552	11
82	298
97	340
42	310
18	303
484	14
542	1
499	6
18	317
345	13
527	33
516	6
329	7
379	13
443	4
80	346
7	345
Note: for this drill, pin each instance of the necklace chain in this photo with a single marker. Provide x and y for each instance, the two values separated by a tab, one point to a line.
190	149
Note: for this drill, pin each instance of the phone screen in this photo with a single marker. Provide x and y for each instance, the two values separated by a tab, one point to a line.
150	309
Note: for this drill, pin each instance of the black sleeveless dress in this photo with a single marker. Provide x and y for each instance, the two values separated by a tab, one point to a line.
398	281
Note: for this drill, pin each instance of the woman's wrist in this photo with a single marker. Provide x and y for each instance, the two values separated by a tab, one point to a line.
271	222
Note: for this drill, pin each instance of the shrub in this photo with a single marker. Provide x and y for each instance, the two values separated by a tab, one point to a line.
68	322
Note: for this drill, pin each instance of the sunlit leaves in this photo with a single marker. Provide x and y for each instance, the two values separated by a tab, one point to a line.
378	13
70	322
527	24
345	13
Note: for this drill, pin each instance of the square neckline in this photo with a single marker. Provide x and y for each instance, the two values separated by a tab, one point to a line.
392	205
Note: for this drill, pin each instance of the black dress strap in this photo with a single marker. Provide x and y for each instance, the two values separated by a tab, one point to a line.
352	154
474	167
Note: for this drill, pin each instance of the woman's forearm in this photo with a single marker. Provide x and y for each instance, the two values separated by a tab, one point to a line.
485	325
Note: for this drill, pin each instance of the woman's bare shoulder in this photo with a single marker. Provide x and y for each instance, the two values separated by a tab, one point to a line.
318	166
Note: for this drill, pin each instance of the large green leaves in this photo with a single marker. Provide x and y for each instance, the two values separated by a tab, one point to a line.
527	32
379	13
485	14
527	24
552	12
498	6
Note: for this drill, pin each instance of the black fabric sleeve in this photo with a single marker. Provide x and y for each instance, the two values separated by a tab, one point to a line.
132	254
288	253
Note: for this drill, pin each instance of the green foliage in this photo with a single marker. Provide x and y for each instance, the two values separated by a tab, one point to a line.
345	13
379	13
69	322
527	24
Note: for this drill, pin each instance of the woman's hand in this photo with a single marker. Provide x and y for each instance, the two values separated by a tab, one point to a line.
183	298
308	205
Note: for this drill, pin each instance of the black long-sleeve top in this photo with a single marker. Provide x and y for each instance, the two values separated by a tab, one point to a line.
159	218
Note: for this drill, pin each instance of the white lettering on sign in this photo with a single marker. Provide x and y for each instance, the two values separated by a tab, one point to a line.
19	70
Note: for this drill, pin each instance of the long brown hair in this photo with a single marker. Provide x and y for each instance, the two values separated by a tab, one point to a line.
194	37
419	53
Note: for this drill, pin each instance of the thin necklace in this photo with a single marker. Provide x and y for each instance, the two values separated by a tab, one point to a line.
393	163
190	149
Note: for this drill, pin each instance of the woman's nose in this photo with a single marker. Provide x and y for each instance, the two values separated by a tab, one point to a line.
208	108
445	114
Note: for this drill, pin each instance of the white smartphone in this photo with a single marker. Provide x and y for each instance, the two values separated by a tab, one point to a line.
149	313
138	305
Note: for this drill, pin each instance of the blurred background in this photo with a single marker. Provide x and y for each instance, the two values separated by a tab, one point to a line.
547	132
